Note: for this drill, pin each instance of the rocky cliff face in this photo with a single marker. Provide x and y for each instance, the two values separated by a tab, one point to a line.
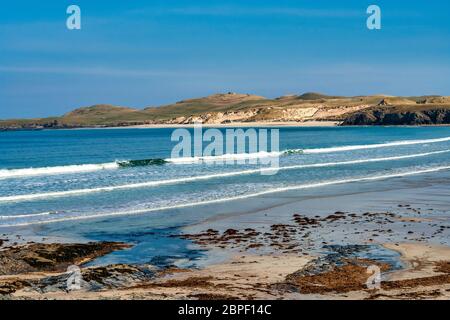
382	116
291	113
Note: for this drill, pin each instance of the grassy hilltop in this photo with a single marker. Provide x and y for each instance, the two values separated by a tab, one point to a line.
234	107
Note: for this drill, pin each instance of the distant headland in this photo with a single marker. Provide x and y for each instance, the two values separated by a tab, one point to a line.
234	108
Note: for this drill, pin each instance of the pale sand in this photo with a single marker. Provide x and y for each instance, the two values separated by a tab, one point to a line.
245	277
255	277
419	258
249	124
228	125
420	261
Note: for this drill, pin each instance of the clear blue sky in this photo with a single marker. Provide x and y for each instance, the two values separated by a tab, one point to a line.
140	53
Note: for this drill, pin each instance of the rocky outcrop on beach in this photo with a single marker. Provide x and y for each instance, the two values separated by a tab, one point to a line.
38	257
97	278
91	279
18	263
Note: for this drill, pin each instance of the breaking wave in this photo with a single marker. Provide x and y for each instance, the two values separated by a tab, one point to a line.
18	173
148	184
233	198
70	169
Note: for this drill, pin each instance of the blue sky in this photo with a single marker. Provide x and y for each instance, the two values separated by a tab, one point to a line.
142	53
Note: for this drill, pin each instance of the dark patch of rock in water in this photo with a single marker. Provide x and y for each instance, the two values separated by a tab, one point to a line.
98	278
165	262
340	255
52	257
351	276
342	268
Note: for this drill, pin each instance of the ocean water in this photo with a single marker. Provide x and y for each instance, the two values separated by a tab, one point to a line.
122	185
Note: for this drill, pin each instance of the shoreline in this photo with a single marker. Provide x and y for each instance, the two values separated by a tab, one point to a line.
286	124
248	124
219	125
244	276
277	259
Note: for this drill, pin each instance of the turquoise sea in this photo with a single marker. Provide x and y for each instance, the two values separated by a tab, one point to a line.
92	184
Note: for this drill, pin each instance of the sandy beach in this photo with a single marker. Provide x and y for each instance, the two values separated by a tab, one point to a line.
427	276
255	124
312	252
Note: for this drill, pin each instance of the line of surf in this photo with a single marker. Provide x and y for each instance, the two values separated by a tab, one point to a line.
148	184
226	157
22	216
18	173
263	154
70	169
240	197
373	146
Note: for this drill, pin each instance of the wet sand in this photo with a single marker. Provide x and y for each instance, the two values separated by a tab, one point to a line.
227	125
250	277
302	248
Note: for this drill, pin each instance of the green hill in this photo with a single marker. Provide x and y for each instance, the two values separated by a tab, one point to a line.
234	107
214	103
316	96
103	115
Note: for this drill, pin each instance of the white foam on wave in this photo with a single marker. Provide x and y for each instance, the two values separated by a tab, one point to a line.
263	154
225	157
148	184
374	146
70	169
22	216
239	197
28	172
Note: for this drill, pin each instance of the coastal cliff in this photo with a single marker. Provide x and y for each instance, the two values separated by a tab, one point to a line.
229	108
392	117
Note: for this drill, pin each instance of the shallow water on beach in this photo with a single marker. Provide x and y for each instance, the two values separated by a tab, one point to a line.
68	183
